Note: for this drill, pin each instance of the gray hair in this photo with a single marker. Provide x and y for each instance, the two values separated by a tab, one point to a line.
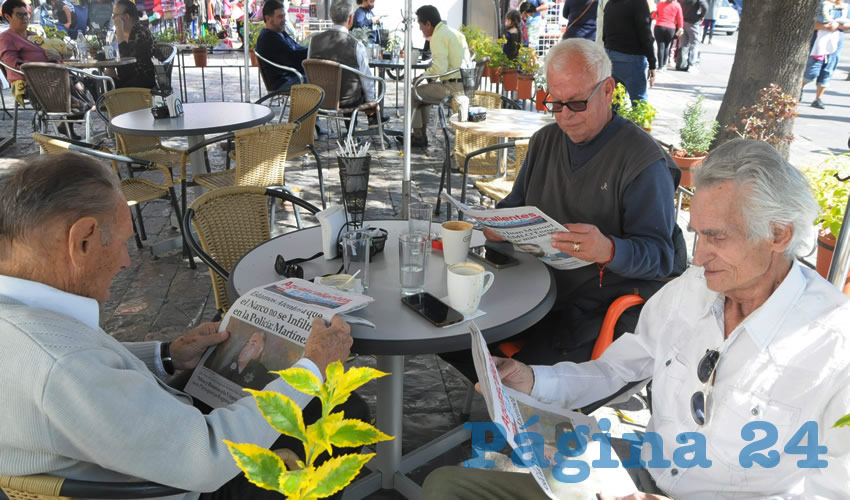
340	10
594	56
778	194
43	189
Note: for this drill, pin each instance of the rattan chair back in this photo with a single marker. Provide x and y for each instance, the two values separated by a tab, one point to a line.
304	98
120	101
50	146
328	76
467	142
261	154
230	222
37	487
49	84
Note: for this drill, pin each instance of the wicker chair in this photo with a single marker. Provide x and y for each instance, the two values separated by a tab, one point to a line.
44	487
328	75
120	101
486	159
283	94
48	85
135	190
229	222
498	188
27	102
306	100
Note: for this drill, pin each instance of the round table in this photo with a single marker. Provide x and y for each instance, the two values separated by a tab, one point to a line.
106	63
520	296
514	123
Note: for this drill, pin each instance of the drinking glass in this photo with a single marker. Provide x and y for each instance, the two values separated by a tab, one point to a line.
355	257
419	221
411	261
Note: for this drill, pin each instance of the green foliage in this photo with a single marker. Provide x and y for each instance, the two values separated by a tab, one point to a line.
540	78
478	41
526	60
253	33
361	33
843	421
829	192
763	120
166	35
93	43
54	33
697	134
640	112
267	470
207	39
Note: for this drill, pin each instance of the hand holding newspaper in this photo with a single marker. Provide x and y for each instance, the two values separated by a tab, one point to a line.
529	228
269	327
520	415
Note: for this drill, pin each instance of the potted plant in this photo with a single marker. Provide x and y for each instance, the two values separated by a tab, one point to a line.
763	120
200	46
696	138
94	47
540	86
642	113
831	195
528	65
166	35
292	477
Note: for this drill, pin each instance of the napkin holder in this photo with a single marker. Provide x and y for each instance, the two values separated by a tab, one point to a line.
332	220
477	114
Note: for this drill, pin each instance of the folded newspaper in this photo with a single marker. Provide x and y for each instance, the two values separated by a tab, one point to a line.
520	414
268	328
529	228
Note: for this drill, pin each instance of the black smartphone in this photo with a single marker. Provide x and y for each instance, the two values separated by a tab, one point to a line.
433	309
492	256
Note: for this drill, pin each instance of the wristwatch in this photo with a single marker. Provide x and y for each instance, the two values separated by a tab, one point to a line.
165	356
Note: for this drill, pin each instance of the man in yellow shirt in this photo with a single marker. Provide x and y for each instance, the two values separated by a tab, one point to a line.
448	52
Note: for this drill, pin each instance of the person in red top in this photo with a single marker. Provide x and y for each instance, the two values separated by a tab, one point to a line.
15	49
668	24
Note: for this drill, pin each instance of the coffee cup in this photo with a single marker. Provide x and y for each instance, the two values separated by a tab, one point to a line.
456	237
467	282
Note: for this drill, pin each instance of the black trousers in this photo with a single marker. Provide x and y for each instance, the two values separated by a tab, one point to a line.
239	488
664	38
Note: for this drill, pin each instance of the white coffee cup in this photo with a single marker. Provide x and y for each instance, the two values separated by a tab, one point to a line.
467	282
456	237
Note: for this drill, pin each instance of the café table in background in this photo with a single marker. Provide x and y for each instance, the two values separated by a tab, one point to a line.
520	297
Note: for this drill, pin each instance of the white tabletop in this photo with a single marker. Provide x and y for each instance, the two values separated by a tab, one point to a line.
505	123
520	295
198	118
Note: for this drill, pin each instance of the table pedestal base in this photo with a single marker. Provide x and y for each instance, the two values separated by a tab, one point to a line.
392	467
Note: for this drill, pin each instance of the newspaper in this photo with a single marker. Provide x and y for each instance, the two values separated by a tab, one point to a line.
268	328
528	228
519	413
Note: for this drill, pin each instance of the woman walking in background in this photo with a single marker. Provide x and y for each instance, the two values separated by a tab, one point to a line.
668	22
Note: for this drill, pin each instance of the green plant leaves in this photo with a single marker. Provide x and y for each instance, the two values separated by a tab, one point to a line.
302	380
292	481
843	421
350	433
343	384
337	472
261	466
281	412
697	134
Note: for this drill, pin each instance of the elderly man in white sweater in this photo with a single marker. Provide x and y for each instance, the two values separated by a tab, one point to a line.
76	402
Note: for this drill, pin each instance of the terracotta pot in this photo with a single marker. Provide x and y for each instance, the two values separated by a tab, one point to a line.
826	248
649	130
200	55
539	100
254	61
687	166
525	84
509	79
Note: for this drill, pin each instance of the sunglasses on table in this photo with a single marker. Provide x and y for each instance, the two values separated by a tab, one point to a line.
706	369
574	106
291	268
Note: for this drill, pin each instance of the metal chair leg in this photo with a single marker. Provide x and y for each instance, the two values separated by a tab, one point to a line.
136	233
141	222
187	252
321	176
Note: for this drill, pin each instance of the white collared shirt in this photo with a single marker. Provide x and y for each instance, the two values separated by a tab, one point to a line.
362	63
787	363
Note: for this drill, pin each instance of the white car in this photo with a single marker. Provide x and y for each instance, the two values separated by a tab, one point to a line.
727	19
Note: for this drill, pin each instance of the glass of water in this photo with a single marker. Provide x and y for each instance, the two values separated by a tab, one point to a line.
419	221
411	261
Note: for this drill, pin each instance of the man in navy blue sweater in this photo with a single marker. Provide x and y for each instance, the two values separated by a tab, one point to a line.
275	44
611	186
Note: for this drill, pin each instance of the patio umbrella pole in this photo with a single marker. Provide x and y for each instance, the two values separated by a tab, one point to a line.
405	184
246	43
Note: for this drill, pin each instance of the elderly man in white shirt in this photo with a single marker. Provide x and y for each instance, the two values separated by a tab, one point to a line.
76	402
746	339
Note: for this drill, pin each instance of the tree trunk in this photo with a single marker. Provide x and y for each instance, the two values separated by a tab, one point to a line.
773	44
